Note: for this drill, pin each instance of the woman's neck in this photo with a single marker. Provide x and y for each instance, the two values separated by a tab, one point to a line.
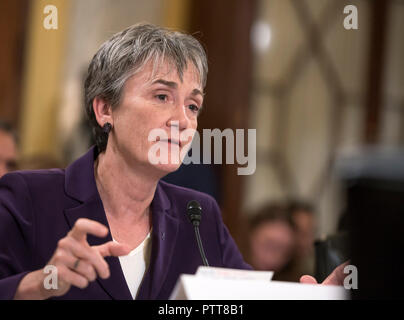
126	193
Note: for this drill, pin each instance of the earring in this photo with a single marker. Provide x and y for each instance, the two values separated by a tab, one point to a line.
107	128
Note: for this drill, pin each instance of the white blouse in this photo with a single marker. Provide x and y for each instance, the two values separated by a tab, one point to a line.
135	264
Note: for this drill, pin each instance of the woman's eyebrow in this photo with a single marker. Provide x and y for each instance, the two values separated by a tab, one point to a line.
174	85
170	84
196	92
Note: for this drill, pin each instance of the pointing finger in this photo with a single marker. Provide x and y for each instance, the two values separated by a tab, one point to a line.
84	226
114	249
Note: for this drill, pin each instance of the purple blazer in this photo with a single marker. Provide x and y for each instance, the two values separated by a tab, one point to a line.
38	208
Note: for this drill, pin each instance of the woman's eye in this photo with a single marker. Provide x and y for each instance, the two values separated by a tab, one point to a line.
162	97
193	108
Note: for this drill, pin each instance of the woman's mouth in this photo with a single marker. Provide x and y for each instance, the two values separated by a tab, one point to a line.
171	141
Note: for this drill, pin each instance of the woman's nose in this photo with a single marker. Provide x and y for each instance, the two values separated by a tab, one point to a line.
179	118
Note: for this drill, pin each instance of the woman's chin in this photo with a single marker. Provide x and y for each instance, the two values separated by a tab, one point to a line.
168	168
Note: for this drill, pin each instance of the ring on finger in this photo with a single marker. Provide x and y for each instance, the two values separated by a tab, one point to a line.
76	264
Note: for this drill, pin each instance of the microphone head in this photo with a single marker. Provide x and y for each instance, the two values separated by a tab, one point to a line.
194	212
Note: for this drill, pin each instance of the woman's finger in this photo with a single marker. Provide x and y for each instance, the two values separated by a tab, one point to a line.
86	253
308	279
73	278
337	276
84	226
85	269
114	249
63	257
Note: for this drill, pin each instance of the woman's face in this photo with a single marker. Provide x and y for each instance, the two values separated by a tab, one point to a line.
156	101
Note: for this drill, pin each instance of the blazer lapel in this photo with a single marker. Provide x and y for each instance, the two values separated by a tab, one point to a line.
80	184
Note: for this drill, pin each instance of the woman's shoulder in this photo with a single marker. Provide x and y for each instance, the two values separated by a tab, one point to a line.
40	174
33	179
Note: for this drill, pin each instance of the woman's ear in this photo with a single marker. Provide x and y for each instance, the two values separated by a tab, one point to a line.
102	111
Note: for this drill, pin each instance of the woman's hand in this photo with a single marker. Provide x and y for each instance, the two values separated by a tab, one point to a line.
335	278
76	262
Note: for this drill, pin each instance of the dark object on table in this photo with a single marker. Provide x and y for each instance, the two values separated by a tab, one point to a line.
330	253
375	212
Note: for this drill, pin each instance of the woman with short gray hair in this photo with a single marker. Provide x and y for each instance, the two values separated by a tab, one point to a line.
106	225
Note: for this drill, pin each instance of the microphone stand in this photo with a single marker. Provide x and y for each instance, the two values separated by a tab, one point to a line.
194	211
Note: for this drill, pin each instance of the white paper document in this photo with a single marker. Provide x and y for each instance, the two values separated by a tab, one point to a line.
209	285
235	274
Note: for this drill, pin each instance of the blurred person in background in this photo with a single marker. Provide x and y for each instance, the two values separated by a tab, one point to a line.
272	242
302	217
282	240
8	149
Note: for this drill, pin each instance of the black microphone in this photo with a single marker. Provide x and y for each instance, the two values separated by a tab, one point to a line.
194	211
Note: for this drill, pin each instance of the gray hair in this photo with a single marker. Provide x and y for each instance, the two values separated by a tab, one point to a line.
125	53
